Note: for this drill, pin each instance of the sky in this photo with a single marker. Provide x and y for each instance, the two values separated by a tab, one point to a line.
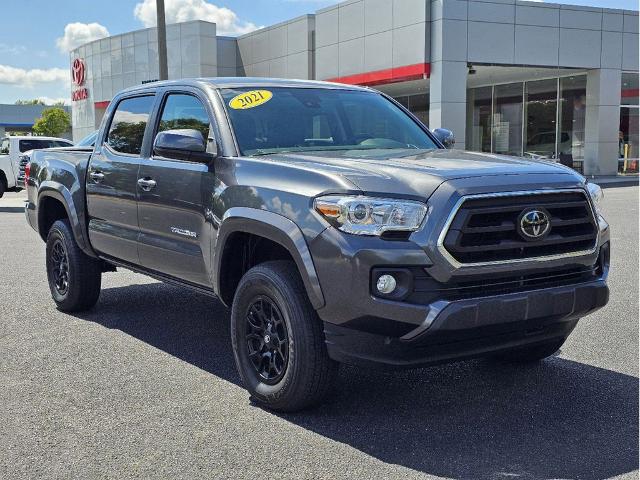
36	35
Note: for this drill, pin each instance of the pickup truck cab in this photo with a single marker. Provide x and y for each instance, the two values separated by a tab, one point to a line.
335	225
11	152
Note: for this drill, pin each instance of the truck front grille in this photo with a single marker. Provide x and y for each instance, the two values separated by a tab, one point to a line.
487	228
426	289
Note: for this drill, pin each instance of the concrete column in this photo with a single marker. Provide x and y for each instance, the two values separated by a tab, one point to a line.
602	121
448	98
448	80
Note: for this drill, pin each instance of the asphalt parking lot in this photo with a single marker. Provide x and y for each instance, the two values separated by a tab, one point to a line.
144	386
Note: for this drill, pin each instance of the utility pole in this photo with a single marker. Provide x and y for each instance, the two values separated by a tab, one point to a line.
162	41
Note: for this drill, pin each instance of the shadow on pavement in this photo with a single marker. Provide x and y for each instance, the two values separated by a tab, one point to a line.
557	419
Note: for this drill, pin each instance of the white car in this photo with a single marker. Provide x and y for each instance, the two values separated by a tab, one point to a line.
25	157
10	150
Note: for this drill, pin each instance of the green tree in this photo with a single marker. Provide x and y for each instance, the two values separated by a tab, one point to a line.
53	122
35	101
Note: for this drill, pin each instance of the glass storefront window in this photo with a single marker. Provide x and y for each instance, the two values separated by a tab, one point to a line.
628	141
507	119
479	119
540	119
629	93
417	104
572	112
404	101
550	130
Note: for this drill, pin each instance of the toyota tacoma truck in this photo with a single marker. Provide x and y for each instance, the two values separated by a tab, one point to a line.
333	223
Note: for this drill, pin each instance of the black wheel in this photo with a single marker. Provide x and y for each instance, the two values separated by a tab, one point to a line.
3	186
278	342
74	277
531	353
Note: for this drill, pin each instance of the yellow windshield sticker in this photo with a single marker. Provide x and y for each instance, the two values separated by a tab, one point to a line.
251	99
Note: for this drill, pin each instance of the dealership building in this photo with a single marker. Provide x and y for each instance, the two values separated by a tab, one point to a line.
530	79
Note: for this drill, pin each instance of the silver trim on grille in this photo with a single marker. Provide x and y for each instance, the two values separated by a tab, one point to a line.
456	264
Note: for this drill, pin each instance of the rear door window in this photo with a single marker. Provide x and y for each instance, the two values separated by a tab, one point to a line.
4	146
129	122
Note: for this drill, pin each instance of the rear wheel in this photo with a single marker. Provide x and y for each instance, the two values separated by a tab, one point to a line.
278	342
533	353
74	277
3	186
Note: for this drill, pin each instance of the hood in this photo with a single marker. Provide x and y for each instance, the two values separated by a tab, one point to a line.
415	174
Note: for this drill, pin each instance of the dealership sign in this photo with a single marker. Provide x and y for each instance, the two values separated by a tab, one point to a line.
78	70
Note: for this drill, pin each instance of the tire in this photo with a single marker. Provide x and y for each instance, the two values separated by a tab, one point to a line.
3	186
533	353
300	373
82	273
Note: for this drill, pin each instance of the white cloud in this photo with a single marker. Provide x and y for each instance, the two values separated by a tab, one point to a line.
14	50
185	10
22	77
53	101
76	34
124	116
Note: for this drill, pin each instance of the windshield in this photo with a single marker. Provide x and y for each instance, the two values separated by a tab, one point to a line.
36	144
277	120
89	140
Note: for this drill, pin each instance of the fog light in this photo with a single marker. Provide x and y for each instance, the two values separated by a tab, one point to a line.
386	284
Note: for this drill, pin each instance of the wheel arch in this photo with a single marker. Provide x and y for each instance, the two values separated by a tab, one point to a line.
280	232
53	200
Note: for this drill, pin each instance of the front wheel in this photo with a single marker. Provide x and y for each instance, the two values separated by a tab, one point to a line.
74	277
278	342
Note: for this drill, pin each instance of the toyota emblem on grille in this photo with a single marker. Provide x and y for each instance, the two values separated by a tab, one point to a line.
534	224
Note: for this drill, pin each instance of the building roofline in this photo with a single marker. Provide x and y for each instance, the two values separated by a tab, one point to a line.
277	25
137	31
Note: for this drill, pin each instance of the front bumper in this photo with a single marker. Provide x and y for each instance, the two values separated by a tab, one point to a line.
473	327
363	329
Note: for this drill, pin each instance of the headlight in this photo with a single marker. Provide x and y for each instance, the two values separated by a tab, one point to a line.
597	195
371	216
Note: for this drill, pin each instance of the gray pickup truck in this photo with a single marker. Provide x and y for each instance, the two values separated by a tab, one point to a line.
336	226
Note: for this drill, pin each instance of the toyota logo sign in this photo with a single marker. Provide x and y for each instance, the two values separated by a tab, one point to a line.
534	224
77	71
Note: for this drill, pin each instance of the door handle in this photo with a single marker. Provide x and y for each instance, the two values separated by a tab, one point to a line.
97	177
147	184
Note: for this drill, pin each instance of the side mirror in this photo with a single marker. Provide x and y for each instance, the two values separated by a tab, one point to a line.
182	144
445	136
